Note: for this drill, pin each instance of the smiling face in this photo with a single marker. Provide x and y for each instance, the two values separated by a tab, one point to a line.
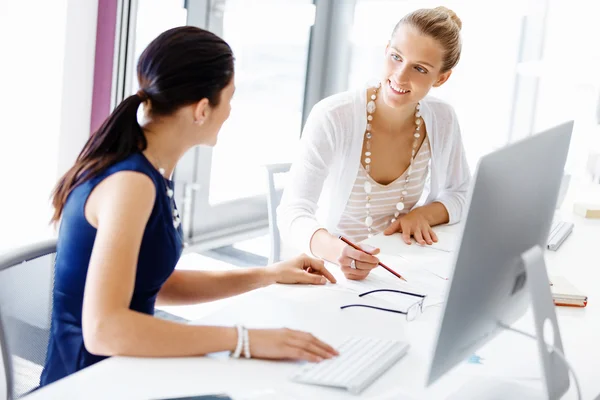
413	65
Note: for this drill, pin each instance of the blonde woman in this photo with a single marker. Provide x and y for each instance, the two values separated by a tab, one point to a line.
386	158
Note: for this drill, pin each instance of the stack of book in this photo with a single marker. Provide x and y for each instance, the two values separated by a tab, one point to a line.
564	293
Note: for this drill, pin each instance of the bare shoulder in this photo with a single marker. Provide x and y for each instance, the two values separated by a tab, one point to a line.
124	194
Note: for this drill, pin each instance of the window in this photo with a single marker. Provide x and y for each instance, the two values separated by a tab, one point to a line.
223	189
569	84
264	127
152	18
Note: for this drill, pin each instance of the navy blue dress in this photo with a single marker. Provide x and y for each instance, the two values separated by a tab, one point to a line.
160	250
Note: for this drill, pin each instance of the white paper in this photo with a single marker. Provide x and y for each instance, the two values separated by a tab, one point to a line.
441	267
395	245
379	278
418	280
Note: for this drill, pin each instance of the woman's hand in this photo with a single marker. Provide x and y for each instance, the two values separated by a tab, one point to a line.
357	264
413	224
278	344
301	269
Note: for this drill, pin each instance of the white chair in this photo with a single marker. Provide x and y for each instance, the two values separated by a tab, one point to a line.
23	346
273	199
6	385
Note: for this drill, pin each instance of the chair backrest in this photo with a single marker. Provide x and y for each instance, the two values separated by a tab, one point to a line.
26	278
6	384
273	199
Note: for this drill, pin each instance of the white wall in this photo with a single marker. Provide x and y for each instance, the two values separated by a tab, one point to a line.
46	85
78	80
46	81
32	48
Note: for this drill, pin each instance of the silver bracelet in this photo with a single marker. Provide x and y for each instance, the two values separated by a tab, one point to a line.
246	344
240	341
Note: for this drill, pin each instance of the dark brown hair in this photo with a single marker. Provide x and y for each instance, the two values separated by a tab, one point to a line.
180	67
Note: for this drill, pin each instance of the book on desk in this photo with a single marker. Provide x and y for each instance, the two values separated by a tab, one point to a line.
564	293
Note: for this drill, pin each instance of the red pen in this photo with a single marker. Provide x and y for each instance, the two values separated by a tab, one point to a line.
349	243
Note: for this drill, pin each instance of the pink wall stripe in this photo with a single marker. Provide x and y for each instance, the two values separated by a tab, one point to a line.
103	65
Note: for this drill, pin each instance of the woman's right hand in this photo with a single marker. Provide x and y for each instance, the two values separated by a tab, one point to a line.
329	247
362	262
288	344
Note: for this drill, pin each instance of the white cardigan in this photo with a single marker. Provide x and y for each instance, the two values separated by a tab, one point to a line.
328	159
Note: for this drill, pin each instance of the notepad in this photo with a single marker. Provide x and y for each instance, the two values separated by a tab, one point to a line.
564	293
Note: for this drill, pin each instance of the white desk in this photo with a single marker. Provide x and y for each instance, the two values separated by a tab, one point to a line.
317	310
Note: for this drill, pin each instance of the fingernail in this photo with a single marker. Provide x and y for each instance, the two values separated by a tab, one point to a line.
323	280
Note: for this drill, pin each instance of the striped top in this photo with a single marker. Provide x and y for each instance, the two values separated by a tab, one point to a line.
383	198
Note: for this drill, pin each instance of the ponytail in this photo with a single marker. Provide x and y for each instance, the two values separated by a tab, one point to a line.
119	136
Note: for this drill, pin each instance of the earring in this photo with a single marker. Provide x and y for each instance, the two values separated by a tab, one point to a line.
198	122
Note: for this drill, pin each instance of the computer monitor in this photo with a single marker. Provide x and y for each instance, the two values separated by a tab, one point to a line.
500	257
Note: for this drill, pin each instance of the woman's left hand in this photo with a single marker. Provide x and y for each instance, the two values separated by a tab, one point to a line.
413	224
301	269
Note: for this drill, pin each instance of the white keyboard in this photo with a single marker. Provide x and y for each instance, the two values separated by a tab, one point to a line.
361	361
558	233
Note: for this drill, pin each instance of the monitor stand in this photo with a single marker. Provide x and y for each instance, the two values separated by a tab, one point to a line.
555	372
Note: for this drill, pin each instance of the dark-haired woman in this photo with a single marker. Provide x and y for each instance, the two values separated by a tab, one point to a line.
120	234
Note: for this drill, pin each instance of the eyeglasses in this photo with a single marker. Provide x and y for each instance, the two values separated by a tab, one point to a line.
411	312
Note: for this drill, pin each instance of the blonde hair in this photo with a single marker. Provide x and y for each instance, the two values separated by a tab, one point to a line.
443	25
